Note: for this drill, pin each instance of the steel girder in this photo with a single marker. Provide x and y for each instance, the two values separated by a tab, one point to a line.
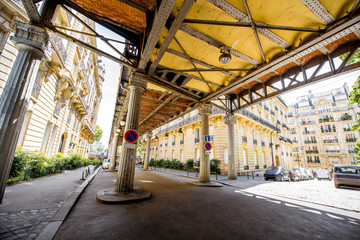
315	70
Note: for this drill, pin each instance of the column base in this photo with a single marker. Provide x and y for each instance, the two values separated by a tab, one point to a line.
205	184
110	170
109	196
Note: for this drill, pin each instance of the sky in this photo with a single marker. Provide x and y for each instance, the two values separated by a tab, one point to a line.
110	85
112	74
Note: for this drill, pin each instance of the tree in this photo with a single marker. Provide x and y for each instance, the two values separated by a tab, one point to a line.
98	133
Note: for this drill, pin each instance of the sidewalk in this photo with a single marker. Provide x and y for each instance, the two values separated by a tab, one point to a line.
29	207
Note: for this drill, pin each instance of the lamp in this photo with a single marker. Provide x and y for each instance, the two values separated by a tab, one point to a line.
225	56
122	123
166	134
180	130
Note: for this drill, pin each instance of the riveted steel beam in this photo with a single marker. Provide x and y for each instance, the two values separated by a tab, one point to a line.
319	10
243	18
211	41
292	76
31	10
185	7
159	23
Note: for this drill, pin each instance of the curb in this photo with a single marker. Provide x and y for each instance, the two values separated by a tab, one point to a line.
55	223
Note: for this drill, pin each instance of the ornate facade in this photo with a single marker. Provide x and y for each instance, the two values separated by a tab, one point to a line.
261	137
321	129
62	112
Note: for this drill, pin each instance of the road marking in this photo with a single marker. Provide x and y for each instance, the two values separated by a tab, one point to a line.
290	205
278	202
354	223
312	211
333	216
246	194
261	197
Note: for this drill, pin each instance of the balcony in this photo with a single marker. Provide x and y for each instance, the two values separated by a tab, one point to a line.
289	140
161	145
312	151
173	143
254	141
332	151
266	108
244	139
181	142
351	151
272	112
351	139
328	130
347	130
331	141
307	122
197	140
326	119
310	142
166	144
262	143
259	120
309	132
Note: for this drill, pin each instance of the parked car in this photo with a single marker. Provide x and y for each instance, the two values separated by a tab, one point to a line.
294	176
309	174
302	173
346	175
106	163
323	174
277	173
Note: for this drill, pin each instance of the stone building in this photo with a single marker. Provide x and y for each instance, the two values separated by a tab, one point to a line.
321	129
262	137
62	112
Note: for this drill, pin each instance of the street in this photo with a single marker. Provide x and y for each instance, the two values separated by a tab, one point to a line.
178	210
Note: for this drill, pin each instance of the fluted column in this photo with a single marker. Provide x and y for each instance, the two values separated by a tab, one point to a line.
125	176
230	120
30	42
114	151
204	111
147	156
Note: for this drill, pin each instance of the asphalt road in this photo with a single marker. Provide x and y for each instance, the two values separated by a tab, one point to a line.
178	210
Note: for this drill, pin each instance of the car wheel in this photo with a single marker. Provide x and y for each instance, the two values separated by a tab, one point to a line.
337	185
266	179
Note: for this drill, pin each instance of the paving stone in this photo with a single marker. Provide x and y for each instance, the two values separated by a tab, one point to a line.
16	227
3	230
27	225
19	231
12	237
21	235
34	211
2	214
7	234
32	235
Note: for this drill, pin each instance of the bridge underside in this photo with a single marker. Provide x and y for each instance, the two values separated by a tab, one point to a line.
229	53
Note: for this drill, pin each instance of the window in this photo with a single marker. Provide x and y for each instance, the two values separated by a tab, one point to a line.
181	155
45	137
245	157
255	158
263	158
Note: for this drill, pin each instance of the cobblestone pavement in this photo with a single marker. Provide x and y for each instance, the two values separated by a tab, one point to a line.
25	224
28	207
314	191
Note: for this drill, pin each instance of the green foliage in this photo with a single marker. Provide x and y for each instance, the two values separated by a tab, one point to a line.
18	164
96	162
346	116
354	98
152	163
354	59
214	165
98	133
32	165
189	164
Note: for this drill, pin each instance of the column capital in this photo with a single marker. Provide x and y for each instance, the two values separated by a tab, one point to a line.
149	134
230	119
31	38
138	79
205	108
